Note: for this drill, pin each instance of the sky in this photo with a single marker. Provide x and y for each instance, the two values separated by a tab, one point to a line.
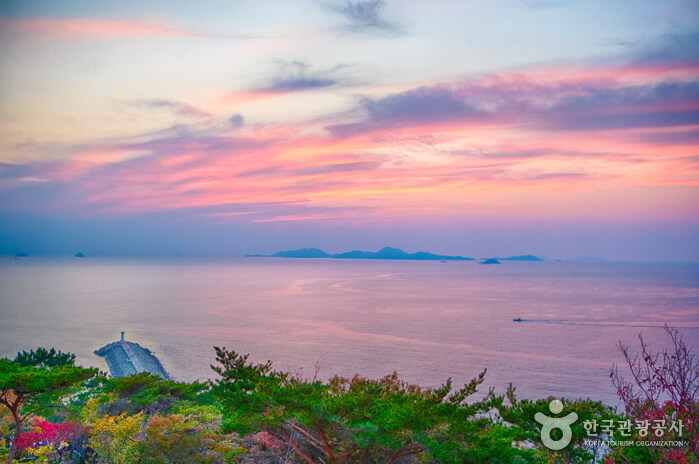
481	128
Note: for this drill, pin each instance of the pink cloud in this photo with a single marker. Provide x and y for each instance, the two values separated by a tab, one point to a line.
535	100
533	144
311	217
85	27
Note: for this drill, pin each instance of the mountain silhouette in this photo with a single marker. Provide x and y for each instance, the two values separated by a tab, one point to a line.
384	253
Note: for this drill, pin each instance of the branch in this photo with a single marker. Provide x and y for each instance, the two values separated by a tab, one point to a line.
346	456
407	449
328	448
296	449
312	440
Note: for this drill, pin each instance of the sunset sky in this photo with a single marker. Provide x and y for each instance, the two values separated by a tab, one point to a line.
481	128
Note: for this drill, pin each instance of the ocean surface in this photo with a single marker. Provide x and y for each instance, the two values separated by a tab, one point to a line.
426	320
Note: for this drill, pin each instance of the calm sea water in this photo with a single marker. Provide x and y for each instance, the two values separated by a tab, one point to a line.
425	320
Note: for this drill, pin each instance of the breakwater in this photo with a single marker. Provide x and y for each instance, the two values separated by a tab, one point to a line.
126	358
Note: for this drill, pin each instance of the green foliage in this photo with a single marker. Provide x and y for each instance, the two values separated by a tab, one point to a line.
176	439
358	420
149	393
255	387
37	387
207	413
252	413
89	389
28	389
45	358
520	413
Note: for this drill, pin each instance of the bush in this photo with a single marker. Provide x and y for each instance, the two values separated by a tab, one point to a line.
664	386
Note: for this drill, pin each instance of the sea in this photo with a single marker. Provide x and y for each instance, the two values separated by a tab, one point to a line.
426	320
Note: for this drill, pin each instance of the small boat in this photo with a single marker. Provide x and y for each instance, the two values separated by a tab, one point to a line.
519	319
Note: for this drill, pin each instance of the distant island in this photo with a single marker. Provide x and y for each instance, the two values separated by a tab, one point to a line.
384	253
521	258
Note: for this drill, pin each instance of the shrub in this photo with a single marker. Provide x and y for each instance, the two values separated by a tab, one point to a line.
663	387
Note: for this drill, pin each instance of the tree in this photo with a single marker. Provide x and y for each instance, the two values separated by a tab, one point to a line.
26	388
664	386
45	358
346	420
520	414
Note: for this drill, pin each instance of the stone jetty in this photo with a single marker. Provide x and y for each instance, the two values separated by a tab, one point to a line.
127	358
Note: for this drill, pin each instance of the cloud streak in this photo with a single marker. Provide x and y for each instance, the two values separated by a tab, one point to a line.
566	103
292	77
176	107
364	16
518	144
84	27
47	28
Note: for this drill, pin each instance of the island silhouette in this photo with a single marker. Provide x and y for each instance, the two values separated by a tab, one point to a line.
384	253
521	258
